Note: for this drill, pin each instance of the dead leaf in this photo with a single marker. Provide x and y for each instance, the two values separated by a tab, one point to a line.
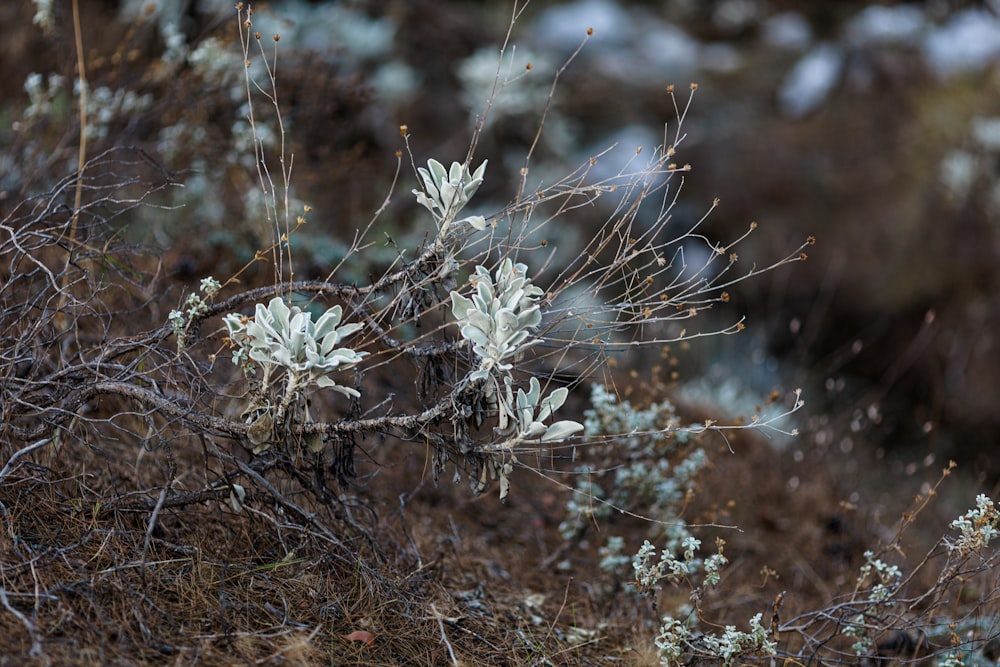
361	636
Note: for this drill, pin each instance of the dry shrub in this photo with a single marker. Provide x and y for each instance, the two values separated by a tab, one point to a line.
146	521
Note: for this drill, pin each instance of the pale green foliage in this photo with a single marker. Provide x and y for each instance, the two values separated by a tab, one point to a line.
106	105
952	659
647	479
287	337
650	572
194	307
642	428
645	438
42	94
210	286
499	317
978	526
883	578
677	639
613	557
532	411
882	582
446	192
43	14
498	320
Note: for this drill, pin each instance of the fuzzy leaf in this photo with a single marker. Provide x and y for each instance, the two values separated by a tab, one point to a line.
237	494
344	357
425	201
552	402
504	482
328	322
530	318
475	335
278	354
338	335
480	374
478	222
480	320
438	172
480	172
326	382
451	199
455	173
297	331
484	290
235	326
261	328
430	196
506	324
525	408
460	306
534	391
279	313
511	297
561	430
534	430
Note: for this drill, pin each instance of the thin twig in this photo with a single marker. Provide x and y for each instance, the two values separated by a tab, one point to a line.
19	453
444	635
36	645
150	527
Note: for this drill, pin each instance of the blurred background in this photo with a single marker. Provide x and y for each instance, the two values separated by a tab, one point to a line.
874	127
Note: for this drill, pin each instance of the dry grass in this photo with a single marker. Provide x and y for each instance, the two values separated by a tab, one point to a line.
442	579
213	586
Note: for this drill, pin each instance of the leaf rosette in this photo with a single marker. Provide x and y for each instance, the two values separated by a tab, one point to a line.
287	337
447	191
500	316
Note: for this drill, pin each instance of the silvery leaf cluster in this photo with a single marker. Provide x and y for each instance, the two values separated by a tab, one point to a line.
532	412
287	337
499	317
446	192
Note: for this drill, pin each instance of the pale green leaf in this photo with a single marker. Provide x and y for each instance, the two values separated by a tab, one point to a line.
561	430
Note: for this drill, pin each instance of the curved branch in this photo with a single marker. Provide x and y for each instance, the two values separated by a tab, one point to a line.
400	425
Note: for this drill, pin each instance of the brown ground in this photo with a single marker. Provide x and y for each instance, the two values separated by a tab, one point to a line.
435	575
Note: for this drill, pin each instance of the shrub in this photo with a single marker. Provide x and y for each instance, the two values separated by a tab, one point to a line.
496	327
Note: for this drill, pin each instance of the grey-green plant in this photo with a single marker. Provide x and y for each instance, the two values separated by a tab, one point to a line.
978	527
655	473
629	286
194	307
447	191
532	411
679	643
881	581
879	594
490	377
680	639
284	339
655	470
499	318
498	321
